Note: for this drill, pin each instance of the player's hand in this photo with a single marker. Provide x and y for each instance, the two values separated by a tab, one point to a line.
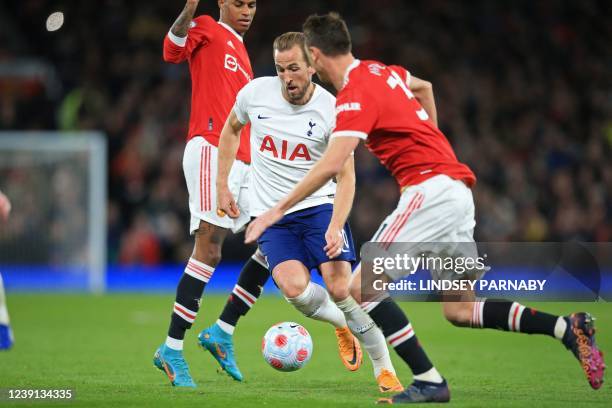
334	240
193	2
261	223
226	203
5	207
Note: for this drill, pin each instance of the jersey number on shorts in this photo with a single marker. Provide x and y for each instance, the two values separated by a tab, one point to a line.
394	81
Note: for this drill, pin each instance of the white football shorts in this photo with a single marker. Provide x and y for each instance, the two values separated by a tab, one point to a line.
200	169
436	215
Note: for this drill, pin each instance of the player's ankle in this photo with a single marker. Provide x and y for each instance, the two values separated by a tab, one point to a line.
223	328
432	375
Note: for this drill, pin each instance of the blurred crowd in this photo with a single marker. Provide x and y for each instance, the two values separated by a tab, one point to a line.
523	91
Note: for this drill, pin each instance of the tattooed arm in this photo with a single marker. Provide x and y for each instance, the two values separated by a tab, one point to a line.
183	37
181	25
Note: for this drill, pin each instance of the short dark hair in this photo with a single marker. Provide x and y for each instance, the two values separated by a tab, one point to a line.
328	33
289	40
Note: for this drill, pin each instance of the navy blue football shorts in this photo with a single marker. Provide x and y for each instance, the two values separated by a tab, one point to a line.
300	236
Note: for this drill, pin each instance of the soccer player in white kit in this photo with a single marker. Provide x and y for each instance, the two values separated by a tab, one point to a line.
291	121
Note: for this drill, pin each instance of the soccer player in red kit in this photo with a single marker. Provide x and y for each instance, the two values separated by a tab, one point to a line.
219	67
395	114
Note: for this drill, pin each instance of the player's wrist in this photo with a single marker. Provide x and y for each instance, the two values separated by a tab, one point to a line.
335	225
176	39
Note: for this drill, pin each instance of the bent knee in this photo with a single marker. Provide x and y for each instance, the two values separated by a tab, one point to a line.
338	293
291	288
208	253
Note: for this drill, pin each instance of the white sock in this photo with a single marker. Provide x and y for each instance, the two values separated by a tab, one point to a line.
314	302
368	334
432	375
560	327
4	317
226	327
330	312
174	344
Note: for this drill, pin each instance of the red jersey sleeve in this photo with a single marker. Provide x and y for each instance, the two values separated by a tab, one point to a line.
178	49
356	113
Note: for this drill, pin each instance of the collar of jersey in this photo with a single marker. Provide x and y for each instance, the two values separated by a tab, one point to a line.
231	30
351	67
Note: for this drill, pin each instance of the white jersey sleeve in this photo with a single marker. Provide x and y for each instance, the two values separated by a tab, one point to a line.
241	107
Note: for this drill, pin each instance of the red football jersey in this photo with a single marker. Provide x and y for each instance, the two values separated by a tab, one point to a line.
376	104
220	67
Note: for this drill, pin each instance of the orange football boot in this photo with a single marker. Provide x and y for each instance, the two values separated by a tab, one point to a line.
349	348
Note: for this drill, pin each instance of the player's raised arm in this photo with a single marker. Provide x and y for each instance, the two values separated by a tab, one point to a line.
423	91
343	202
176	48
228	146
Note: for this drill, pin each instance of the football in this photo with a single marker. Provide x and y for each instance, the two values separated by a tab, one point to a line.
287	346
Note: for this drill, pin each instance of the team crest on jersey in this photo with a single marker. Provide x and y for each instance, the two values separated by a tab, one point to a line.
231	62
311	124
376	68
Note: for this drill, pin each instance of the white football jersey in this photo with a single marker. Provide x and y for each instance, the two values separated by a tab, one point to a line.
286	141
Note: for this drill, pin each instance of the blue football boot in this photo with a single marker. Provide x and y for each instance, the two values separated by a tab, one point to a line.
220	345
174	365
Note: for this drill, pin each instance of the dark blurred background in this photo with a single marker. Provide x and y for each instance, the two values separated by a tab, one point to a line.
523	91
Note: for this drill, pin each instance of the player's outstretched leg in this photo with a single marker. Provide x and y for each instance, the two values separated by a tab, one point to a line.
398	331
6	334
576	331
373	341
337	276
313	301
217	339
580	339
428	385
199	270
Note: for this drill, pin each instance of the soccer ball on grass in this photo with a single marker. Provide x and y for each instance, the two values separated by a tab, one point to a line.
287	346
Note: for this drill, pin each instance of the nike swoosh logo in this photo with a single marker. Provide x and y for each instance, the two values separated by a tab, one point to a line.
169	371
219	352
293	326
384	389
263	117
354	359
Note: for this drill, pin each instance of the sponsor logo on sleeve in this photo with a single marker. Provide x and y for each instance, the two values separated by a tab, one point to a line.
349	106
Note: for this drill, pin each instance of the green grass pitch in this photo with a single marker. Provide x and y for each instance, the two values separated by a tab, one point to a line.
102	347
